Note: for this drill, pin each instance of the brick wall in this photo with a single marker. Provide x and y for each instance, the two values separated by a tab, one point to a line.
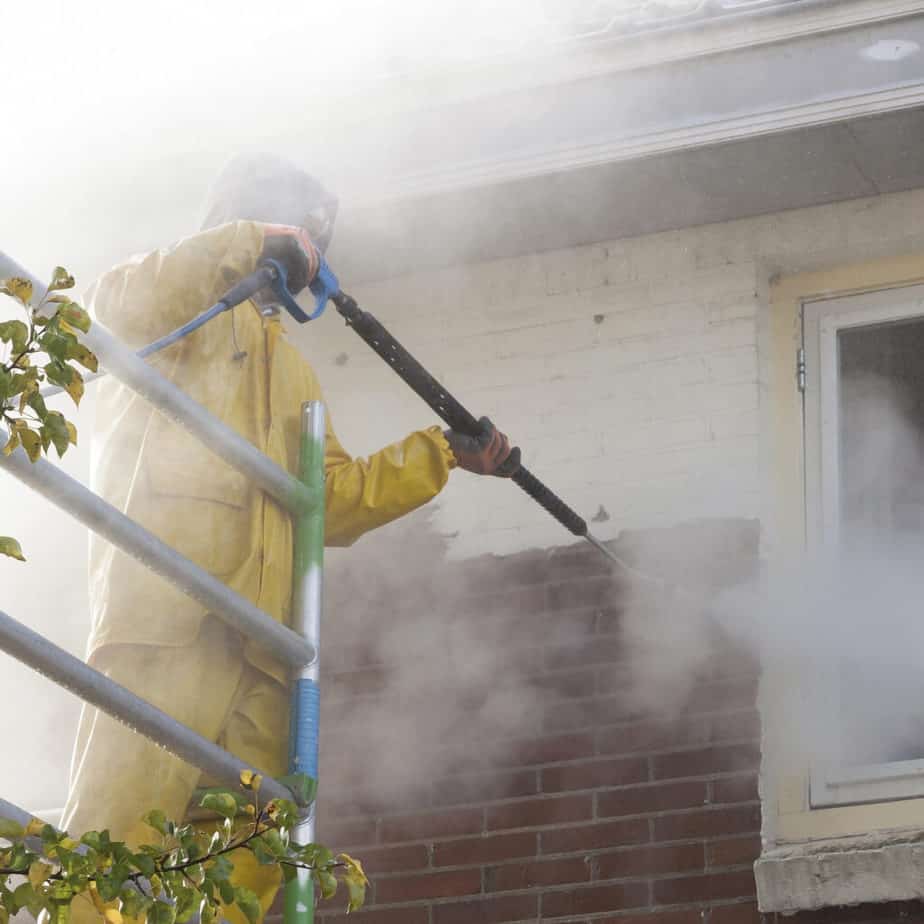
586	808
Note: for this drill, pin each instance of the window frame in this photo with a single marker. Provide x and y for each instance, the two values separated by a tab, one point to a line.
832	785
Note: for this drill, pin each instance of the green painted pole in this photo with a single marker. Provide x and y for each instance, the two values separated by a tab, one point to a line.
307	586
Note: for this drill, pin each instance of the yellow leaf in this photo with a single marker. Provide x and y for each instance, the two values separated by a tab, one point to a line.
32	443
250	780
71	432
11	444
75	387
28	390
38	873
86	358
61	279
74	315
113	916
97	900
353	866
23	362
35	827
9	546
18	288
355	880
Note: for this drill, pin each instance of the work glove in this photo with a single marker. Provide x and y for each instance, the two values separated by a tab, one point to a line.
294	249
489	453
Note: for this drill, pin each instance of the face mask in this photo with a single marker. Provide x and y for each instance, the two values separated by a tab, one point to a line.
319	223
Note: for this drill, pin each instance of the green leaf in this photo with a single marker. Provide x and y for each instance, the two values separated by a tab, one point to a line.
51	835
10	829
10	547
56	345
32	397
283	812
161	913
56	432
264	856
61	279
18	288
15	333
218	869
226	891
96	840
133	902
315	855
75	316
248	903
274	843
327	883
24	895
24	381
143	863
187	902
58	373
208	912
157	820
303	787
222	803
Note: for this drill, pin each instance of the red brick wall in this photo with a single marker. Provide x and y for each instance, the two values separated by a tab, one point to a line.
587	811
592	811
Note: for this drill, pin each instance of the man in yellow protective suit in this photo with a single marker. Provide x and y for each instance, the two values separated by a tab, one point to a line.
148	636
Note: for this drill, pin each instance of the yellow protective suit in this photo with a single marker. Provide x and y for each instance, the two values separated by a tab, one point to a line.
149	636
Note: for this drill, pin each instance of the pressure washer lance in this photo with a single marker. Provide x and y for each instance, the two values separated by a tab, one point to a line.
463	421
275	274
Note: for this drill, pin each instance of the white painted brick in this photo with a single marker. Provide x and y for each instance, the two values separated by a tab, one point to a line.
717	282
657	435
727	366
732	308
660	256
627	370
660	320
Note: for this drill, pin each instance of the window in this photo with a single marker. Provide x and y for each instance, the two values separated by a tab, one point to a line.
864	482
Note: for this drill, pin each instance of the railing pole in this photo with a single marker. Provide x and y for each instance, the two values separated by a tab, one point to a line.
42	655
105	520
306	621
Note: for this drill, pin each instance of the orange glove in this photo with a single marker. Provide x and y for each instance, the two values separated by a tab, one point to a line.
484	454
293	248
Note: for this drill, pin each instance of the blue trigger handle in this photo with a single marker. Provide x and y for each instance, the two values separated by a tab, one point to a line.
324	286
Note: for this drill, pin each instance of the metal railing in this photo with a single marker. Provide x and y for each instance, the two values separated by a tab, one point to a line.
303	497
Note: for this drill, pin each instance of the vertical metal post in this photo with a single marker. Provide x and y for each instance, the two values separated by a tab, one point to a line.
306	621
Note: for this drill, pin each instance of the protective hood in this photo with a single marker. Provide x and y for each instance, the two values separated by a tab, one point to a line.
272	190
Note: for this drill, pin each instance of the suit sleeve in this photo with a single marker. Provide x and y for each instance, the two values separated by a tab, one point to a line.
363	494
